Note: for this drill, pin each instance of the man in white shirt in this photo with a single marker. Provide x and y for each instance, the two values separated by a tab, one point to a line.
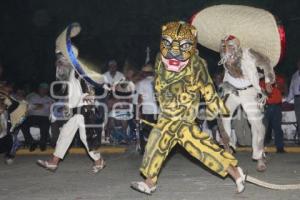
111	79
294	93
77	99
241	73
146	103
38	116
112	76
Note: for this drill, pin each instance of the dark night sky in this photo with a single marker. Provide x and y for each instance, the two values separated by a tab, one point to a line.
120	29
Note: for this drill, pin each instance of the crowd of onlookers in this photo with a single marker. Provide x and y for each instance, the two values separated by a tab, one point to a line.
125	99
120	101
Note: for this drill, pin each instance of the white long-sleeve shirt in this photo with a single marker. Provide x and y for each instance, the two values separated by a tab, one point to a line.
34	99
75	93
250	73
294	86
109	79
145	88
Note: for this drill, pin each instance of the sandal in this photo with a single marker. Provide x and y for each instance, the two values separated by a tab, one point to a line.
47	165
143	187
98	168
240	182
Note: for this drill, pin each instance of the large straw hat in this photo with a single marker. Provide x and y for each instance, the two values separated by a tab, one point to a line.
65	47
255	28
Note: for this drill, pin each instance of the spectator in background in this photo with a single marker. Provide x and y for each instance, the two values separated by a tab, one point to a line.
130	79
6	136
119	114
38	116
6	139
112	76
147	103
20	94
121	109
294	94
273	111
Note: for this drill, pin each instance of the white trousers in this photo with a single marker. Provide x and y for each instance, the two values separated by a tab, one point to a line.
67	135
247	99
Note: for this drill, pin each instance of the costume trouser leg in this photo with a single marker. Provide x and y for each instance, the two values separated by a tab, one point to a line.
231	102
247	98
67	134
242	129
255	117
55	130
168	133
146	129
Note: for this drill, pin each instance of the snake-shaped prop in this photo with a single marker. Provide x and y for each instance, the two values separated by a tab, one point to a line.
254	180
272	186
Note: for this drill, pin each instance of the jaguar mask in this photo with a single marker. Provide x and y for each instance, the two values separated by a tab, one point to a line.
178	44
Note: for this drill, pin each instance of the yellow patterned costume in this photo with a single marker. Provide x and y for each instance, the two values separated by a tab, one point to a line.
181	76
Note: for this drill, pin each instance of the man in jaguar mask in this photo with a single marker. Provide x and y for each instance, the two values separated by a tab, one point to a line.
241	74
181	77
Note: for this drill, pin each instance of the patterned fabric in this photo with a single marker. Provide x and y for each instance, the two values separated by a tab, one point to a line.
168	133
179	93
179	97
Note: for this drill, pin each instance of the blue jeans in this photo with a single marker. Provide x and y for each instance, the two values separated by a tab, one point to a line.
132	130
118	134
273	116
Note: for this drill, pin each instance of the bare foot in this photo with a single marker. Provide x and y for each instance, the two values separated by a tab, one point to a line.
54	160
98	165
261	165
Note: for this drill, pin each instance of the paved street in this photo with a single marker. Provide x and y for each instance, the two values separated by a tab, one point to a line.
181	179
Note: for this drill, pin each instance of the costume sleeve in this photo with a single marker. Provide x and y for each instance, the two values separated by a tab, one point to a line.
214	104
263	62
157	66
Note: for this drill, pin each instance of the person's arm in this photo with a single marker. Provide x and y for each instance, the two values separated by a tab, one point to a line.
107	83
122	77
264	63
139	106
139	100
49	103
280	84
